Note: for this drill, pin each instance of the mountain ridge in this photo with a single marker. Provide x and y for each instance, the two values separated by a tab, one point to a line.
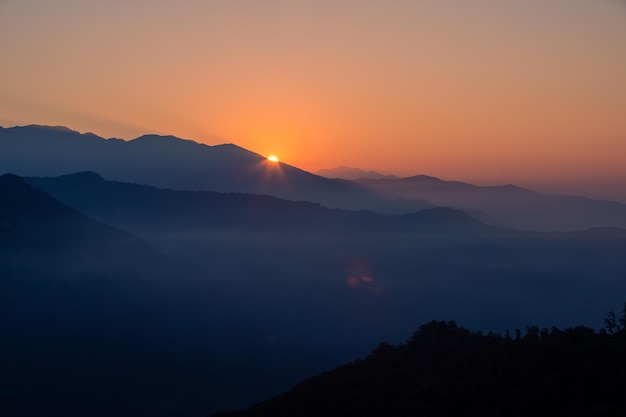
183	164
507	205
91	193
170	162
350	173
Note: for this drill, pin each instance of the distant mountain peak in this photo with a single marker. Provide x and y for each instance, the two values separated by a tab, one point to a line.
349	173
86	175
63	129
163	139
11	179
422	177
447	217
25	201
228	145
233	147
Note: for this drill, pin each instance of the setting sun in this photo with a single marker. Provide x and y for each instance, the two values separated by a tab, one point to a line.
273	158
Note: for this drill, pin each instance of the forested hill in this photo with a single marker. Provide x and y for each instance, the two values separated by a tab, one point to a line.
446	370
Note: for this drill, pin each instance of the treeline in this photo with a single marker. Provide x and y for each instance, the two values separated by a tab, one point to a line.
447	370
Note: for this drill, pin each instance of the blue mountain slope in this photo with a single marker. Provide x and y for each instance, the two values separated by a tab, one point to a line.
149	210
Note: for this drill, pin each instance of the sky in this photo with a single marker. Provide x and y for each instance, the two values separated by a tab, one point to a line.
531	92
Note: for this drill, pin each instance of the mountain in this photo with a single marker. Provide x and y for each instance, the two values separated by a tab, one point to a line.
284	289
348	173
170	162
506	205
446	370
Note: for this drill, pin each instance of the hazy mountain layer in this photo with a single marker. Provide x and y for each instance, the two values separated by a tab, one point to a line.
152	211
507	205
442	257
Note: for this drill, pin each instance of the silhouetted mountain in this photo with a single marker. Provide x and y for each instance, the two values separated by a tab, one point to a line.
170	162
348	173
506	205
446	370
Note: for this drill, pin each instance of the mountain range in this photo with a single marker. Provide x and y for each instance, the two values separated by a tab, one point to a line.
234	236
146	210
170	162
508	205
118	294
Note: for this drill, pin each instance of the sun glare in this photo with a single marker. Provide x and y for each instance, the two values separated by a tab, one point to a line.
273	158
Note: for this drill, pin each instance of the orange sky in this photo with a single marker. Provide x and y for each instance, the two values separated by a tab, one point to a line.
490	91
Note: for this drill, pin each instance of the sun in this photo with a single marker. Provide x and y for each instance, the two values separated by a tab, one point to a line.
272	158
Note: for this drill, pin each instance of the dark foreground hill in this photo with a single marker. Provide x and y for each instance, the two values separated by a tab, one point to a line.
446	370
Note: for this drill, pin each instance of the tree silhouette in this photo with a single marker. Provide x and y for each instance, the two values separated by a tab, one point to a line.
610	323
447	370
